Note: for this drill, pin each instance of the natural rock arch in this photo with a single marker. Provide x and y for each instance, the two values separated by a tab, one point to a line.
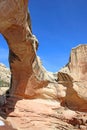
15	26
29	79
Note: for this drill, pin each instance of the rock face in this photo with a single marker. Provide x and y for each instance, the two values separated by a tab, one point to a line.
15	25
76	97
39	99
78	63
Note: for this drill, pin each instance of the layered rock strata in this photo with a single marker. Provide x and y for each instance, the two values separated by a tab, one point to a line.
77	69
46	92
78	63
26	73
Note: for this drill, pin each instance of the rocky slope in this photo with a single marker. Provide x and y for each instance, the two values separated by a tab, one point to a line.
5	76
4	73
38	99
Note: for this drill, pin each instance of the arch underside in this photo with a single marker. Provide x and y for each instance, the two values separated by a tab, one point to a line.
15	26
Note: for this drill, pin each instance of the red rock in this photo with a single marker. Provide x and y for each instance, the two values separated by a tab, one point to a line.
35	96
74	78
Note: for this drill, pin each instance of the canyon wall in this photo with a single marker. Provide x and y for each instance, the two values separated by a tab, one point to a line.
78	63
29	79
77	69
38	99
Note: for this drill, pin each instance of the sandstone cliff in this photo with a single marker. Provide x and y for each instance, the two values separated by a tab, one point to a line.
78	63
25	67
38	99
77	69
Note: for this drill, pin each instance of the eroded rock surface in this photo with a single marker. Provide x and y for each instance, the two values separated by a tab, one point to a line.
38	99
15	25
78	63
76	97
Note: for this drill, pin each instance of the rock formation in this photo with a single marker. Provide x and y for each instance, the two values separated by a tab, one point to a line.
38	99
25	68
4	79
4	73
77	69
78	63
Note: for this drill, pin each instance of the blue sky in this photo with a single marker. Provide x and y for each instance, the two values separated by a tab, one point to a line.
3	51
59	25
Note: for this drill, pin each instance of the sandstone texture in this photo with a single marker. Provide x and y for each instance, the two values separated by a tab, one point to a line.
38	99
77	69
78	63
15	25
